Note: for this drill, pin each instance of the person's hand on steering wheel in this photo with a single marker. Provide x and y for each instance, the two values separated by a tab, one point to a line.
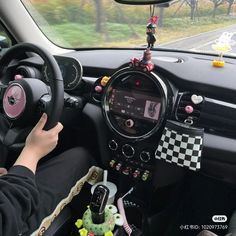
38	144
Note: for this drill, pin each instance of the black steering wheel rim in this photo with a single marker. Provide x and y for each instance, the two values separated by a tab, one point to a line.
55	105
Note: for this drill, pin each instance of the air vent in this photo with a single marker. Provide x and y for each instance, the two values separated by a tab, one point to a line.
169	59
189	107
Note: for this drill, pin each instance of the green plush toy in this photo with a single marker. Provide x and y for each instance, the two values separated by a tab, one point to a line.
104	229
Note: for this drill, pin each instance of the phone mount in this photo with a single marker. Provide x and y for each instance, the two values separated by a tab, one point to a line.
99	218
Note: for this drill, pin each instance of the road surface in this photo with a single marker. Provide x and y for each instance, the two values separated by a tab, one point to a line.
203	41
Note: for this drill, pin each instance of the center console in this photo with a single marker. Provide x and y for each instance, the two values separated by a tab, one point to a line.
135	105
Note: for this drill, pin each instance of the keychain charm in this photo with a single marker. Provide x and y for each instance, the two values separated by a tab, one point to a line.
151	28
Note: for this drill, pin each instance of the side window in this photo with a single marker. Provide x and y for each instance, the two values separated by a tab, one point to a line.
5	40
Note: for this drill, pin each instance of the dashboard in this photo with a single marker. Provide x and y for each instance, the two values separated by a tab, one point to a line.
184	75
129	110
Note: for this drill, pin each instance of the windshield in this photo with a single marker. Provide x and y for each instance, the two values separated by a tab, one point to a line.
205	26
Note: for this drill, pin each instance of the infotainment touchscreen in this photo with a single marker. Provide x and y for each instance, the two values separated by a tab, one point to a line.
135	104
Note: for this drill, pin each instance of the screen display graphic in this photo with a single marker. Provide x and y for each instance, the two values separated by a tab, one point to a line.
134	104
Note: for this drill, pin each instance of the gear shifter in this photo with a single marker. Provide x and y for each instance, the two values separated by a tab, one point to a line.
98	203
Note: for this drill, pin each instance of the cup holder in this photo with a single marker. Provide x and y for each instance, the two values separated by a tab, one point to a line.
135	214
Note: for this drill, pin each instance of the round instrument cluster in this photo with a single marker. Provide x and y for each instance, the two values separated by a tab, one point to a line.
71	71
134	103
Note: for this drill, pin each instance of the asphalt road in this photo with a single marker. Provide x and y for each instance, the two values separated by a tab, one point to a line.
203	41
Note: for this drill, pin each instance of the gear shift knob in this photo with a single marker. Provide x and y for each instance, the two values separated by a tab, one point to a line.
98	203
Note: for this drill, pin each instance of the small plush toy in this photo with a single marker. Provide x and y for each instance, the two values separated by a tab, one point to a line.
151	30
222	45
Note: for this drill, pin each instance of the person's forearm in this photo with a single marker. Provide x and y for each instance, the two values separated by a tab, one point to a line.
20	199
28	159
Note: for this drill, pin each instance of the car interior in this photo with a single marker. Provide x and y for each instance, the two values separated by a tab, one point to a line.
161	121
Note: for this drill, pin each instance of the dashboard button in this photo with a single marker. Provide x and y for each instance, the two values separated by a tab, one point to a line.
112	163
113	145
129	123
128	151
118	166
145	175
145	156
136	173
127	170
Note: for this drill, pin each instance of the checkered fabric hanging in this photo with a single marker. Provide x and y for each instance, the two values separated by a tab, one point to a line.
181	144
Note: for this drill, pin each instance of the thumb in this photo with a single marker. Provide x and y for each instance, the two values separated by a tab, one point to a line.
42	121
57	128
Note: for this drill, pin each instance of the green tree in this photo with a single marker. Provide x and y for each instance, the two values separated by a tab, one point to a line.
216	4
230	4
193	6
99	16
161	16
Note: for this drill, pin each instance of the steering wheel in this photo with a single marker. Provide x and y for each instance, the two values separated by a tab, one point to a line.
23	100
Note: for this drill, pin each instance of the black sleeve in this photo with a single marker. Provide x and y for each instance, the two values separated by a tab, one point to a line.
19	199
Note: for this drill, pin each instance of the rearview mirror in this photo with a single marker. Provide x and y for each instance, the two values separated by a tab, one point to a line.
163	3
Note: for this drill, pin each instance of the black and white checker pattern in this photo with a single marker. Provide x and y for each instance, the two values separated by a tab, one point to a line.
183	149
